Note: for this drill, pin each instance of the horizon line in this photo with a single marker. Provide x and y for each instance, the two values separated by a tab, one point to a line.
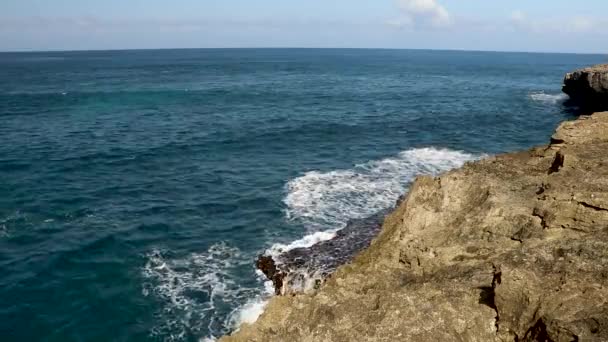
294	48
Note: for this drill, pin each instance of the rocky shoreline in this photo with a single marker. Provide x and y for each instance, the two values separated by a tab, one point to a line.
510	248
306	269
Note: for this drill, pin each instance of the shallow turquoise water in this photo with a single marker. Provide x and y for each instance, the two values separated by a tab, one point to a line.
138	186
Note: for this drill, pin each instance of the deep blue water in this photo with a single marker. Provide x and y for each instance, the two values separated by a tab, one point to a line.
137	187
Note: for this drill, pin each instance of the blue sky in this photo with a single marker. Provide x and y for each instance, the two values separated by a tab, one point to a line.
513	25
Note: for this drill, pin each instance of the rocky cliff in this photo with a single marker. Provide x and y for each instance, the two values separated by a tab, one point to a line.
510	248
588	88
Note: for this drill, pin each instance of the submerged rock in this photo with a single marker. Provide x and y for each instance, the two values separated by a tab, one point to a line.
588	88
510	248
304	269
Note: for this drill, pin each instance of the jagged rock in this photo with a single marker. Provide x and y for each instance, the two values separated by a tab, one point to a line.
588	88
268	266
510	248
305	269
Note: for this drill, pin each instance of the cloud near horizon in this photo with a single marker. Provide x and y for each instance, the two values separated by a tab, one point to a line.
440	24
428	13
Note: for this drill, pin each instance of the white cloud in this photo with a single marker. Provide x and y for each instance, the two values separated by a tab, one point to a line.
423	12
518	16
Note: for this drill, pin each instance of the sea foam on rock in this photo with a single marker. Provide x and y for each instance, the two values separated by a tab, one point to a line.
344	210
509	248
303	269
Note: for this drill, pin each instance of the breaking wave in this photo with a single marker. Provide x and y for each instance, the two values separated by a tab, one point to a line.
548	98
324	202
199	290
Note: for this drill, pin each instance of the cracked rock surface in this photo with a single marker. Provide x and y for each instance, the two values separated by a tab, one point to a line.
510	248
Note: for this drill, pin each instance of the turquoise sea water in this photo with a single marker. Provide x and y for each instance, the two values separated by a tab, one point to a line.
137	187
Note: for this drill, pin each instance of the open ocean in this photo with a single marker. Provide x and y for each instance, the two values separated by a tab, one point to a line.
138	187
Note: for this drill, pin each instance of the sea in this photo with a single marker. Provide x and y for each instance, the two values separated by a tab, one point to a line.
138	187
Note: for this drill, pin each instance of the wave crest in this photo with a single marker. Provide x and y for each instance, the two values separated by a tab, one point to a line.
197	289
548	98
328	200
325	202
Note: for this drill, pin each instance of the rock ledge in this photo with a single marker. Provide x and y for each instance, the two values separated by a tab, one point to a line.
588	88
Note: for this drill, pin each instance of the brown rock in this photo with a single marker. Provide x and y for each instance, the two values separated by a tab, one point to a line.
510	248
588	87
306	269
267	265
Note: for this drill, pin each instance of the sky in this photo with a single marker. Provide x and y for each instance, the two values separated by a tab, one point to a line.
494	25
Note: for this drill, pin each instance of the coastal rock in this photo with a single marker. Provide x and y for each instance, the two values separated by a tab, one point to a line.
510	248
588	88
305	269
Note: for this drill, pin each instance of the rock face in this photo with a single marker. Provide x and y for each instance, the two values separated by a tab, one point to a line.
588	88
510	248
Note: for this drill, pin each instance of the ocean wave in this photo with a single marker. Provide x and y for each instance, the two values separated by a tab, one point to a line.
197	290
254	307
324	202
548	98
305	242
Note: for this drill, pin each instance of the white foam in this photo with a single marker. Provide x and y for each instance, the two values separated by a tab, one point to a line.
302	280
180	282
322	200
548	98
254	308
250	312
305	242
